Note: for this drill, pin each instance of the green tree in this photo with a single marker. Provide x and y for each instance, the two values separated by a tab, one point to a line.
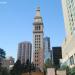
33	68
67	68
72	71
47	64
4	71
28	67
17	69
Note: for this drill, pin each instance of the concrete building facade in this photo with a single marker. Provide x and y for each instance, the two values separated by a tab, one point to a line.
38	56
68	45
68	51
68	7
24	51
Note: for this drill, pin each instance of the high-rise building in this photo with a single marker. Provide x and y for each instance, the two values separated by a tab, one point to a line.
56	54
47	51
69	15
68	45
2	55
24	51
38	56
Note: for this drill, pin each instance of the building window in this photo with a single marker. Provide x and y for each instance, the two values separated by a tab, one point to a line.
35	44
39	38
35	41
39	41
39	35
71	60
74	58
39	45
37	27
35	36
37	64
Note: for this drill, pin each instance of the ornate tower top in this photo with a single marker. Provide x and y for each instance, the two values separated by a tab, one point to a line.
38	18
38	23
38	12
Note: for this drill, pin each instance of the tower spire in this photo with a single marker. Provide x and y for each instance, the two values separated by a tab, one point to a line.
38	9
38	5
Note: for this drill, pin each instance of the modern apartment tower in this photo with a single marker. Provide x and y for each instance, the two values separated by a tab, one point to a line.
24	51
38	55
47	51
68	46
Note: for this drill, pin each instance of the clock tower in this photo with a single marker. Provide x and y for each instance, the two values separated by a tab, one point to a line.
38	53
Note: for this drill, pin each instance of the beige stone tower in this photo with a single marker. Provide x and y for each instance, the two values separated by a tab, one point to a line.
38	55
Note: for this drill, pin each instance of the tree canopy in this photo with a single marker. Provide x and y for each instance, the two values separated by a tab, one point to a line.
19	68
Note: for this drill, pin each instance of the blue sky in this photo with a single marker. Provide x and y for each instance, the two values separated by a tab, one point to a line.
16	22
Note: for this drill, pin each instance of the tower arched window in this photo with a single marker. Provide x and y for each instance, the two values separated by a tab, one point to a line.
39	27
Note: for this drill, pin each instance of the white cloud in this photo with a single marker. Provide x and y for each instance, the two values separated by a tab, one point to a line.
3	2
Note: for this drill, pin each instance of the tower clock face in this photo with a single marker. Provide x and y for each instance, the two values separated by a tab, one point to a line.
37	20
